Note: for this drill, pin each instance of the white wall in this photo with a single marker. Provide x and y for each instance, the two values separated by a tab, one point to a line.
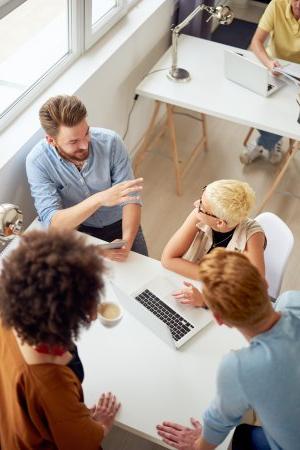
107	93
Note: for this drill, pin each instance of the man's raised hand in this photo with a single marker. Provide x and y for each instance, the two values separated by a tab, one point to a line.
121	192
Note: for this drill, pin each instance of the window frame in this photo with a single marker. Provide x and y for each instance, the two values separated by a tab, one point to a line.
79	41
7	6
53	72
106	23
94	32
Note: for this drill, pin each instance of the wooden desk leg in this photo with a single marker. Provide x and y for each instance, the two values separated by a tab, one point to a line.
247	137
174	147
146	139
291	152
204	130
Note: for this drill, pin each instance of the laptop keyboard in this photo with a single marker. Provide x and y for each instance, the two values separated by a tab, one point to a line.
178	326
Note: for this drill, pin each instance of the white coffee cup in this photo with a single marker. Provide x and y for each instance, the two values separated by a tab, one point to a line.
109	313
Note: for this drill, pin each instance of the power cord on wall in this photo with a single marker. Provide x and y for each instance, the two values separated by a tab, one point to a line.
129	115
134	102
157	70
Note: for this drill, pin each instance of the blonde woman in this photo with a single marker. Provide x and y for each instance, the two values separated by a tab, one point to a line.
219	219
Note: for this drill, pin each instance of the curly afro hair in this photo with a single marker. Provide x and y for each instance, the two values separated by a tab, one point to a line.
49	286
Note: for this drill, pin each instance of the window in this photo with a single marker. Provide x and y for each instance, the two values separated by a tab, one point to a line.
100	16
102	9
37	40
40	38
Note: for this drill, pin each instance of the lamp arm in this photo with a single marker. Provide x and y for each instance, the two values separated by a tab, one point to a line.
224	16
176	30
188	19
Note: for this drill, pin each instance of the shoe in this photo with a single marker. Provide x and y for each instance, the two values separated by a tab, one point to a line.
252	152
275	155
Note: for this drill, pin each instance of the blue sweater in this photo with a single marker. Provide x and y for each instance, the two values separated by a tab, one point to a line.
265	377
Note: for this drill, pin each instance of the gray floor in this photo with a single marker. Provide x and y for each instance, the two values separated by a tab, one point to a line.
119	439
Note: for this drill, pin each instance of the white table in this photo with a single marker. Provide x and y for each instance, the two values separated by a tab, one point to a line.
153	381
209	92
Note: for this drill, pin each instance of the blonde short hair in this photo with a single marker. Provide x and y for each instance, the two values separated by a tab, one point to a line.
233	288
230	200
67	110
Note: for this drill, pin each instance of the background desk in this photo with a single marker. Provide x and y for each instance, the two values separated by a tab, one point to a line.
209	92
153	381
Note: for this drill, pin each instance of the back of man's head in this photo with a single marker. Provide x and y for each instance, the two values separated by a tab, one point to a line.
66	110
233	289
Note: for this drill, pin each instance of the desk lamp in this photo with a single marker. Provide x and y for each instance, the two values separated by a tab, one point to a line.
223	14
11	220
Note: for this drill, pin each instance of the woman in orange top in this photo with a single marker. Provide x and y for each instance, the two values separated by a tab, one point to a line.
49	289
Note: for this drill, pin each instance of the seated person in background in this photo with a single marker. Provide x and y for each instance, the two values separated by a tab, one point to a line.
280	23
263	376
79	176
220	219
49	289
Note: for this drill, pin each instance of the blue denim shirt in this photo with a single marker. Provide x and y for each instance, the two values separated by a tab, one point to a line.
56	183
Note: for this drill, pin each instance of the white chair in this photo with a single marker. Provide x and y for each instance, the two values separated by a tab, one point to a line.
280	242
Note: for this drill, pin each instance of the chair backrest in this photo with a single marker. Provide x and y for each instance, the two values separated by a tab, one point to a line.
280	242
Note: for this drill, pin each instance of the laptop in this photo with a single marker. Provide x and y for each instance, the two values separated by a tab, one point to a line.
250	74
154	306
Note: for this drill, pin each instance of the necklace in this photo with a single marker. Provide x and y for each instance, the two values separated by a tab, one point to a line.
217	243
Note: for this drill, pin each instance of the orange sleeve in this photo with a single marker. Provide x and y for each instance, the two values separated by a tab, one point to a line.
69	420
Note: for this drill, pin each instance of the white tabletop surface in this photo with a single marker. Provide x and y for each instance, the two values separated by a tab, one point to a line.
153	380
211	93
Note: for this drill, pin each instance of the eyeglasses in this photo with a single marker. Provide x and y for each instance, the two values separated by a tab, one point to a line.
200	205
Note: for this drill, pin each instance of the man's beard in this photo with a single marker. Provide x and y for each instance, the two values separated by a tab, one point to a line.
79	156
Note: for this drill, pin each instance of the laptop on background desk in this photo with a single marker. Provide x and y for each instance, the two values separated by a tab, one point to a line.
154	306
250	74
